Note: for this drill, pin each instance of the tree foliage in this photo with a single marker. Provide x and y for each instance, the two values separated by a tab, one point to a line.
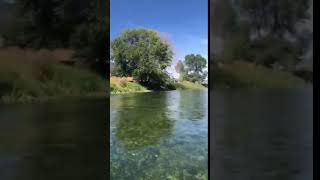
47	23
142	53
276	17
79	24
91	38
260	31
224	18
195	65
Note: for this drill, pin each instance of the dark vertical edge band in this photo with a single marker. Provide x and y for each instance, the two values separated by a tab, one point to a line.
316	100
209	88
107	119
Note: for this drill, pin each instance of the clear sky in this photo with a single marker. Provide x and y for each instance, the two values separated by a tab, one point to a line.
184	22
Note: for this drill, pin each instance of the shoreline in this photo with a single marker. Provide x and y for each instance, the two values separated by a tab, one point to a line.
40	100
126	85
242	74
150	91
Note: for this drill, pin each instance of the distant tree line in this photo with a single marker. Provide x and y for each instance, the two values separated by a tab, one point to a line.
82	25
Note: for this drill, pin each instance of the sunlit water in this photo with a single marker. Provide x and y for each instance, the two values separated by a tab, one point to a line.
159	135
261	134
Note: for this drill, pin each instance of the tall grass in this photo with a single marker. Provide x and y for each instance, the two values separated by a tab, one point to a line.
120	85
242	74
25	78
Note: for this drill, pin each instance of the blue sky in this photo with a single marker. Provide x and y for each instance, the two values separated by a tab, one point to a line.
184	22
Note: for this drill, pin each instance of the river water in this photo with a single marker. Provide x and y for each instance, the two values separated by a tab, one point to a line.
65	140
254	135
261	134
159	135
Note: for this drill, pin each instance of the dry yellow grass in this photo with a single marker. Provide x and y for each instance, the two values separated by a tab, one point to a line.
24	60
120	80
120	85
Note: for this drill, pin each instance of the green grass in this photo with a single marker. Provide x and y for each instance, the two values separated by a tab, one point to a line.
124	85
48	80
188	85
243	74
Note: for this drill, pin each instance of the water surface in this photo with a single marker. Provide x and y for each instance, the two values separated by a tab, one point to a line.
159	135
65	140
261	134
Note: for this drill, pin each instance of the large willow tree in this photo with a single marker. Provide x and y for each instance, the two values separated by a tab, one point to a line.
143	54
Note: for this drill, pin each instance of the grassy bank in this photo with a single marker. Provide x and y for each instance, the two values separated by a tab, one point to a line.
127	85
122	85
188	85
29	78
243	74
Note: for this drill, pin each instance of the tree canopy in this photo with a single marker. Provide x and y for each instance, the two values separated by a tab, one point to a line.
260	31
194	70
143	54
276	17
78	24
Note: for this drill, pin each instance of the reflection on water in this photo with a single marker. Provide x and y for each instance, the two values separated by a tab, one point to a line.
56	141
141	121
262	134
159	135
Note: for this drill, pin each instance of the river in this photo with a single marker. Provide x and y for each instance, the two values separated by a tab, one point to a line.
63	140
254	134
159	135
261	134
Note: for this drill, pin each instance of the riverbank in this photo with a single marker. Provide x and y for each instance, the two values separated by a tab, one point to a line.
26	76
122	85
242	74
188	85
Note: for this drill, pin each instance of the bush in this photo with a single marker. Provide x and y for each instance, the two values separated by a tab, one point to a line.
153	78
188	85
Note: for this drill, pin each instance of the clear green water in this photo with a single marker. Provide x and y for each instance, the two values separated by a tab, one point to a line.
161	135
